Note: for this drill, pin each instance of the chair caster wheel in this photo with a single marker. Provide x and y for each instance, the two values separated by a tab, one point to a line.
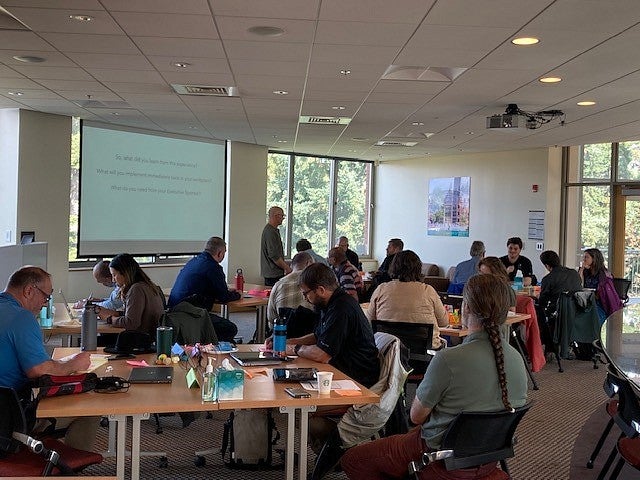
104	422
590	464
200	461
164	462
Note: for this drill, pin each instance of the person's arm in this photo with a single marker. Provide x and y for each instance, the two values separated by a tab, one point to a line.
218	287
283	265
419	413
134	306
55	367
527	272
312	352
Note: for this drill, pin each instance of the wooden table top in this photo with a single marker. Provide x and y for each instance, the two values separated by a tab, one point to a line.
259	392
463	332
65	325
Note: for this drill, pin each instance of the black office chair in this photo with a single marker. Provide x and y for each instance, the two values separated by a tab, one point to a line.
622	286
22	455
627	418
473	439
417	338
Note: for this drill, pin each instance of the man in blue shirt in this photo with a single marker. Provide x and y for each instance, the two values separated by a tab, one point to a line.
102	274
468	268
22	354
202	282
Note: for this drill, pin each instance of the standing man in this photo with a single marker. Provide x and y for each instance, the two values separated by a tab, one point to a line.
272	264
468	268
102	274
202	282
22	354
286	292
348	277
343	243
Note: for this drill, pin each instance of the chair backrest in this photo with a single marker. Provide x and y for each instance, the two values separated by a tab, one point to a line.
449	299
628	413
190	324
576	320
416	337
12	419
477	438
622	286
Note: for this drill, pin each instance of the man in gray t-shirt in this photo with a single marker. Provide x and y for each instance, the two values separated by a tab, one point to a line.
272	264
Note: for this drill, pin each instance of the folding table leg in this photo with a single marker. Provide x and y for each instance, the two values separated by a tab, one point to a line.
526	364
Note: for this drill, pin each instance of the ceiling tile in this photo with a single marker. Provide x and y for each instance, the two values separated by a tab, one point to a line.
398	11
105	60
166	25
126	77
116	44
187	47
266	8
295	31
284	52
40	71
362	33
53	20
20	42
193	7
196	64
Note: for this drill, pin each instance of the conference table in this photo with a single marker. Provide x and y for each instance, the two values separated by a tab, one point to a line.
70	328
143	400
620	336
463	332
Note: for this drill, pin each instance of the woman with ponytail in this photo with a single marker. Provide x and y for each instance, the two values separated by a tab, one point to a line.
483	374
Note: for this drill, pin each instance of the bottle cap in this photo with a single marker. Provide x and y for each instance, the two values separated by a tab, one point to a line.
209	368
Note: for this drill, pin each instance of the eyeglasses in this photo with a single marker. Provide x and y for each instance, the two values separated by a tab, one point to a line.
47	296
305	293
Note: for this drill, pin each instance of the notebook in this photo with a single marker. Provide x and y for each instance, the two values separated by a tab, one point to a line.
252	359
151	375
71	313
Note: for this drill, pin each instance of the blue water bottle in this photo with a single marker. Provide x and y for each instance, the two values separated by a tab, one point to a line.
280	338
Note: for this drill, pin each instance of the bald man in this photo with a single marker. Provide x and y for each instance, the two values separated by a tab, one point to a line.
272	264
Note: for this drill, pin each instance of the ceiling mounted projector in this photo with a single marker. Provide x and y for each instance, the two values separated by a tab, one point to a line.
514	119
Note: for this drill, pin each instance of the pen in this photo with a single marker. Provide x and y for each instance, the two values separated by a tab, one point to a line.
90	296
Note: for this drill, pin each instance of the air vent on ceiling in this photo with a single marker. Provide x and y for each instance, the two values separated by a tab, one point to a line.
422	74
209	90
394	143
318	120
10	22
99	104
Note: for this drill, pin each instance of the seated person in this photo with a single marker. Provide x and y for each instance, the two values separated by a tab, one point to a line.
407	299
304	246
513	262
483	374
468	268
102	274
559	279
343	243
143	299
22	354
595	275
343	338
494	266
348	277
202	282
381	276
286	292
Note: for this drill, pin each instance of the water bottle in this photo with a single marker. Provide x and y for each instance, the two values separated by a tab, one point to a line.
209	384
518	282
89	328
239	281
280	337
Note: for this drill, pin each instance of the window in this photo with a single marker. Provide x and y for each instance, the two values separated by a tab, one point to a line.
329	198
629	161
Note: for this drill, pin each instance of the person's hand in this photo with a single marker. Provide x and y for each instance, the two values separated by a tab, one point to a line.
81	361
104	313
268	343
80	304
510	269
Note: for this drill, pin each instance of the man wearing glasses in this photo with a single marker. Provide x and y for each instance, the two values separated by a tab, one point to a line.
272	264
22	354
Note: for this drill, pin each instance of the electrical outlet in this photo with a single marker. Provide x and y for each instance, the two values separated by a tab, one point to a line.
539	246
7	236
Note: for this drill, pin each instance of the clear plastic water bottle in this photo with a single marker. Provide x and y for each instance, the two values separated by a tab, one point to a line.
280	337
518	282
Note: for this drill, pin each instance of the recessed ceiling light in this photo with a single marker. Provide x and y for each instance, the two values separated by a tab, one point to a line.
470	133
345	72
417	124
586	103
550	79
81	18
338	107
181	64
17	94
29	58
525	41
115	113
266	31
280	92
192	127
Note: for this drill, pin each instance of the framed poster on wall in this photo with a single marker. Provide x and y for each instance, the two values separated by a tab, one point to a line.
448	207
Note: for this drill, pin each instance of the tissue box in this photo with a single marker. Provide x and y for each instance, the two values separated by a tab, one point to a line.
230	384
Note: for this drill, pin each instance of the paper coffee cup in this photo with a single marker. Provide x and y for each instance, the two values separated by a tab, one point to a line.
324	382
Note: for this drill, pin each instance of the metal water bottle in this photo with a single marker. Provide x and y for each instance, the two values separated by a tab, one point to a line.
239	281
89	328
280	337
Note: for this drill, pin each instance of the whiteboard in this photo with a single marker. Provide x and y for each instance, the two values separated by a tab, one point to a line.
12	257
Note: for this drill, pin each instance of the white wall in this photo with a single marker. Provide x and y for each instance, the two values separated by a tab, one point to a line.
9	132
501	197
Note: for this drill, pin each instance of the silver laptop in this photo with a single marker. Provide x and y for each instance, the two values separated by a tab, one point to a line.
254	359
70	311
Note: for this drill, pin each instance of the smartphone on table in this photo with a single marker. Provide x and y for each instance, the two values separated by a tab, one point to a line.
297	392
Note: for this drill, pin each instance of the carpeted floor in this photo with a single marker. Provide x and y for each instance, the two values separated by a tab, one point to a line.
564	414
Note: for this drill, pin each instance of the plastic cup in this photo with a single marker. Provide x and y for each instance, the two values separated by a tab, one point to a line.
324	382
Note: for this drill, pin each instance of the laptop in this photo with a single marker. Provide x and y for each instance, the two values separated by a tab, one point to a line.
253	359
71	313
151	375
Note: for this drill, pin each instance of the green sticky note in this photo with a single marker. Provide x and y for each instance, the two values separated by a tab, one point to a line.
192	379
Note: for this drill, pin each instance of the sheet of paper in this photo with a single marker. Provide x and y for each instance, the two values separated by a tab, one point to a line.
335	385
137	363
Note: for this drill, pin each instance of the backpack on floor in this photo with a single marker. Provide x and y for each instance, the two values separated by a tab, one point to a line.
249	437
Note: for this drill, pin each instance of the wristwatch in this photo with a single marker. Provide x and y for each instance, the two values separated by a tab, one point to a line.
296	349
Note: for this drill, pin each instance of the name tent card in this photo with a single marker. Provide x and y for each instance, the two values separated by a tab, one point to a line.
192	379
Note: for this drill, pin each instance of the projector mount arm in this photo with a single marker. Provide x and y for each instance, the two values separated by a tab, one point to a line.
535	119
